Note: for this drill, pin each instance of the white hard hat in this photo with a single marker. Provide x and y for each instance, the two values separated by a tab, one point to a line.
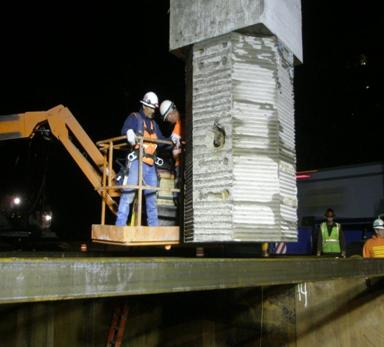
166	107
378	224
151	100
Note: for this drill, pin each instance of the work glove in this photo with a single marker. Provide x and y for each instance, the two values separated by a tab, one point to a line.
131	137
176	140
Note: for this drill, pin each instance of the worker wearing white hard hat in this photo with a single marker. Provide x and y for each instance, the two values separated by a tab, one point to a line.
150	100
170	113
374	247
141	124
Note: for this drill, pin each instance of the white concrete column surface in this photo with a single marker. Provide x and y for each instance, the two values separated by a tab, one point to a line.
242	170
244	186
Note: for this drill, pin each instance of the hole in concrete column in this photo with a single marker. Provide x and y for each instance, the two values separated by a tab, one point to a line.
218	134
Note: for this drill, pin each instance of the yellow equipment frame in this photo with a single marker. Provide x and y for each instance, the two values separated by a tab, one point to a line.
95	161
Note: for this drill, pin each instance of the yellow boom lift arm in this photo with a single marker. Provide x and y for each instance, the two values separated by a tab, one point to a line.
64	126
94	165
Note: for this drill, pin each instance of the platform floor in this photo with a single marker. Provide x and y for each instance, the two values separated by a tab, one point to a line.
136	235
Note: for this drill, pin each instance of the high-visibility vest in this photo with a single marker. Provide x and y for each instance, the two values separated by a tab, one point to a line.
331	242
378	251
148	147
374	247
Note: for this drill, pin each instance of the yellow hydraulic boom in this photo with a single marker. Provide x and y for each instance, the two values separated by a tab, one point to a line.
64	126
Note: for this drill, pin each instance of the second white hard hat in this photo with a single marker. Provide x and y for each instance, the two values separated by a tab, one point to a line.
378	224
166	107
151	100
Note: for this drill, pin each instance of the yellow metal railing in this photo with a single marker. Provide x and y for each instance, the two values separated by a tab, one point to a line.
107	147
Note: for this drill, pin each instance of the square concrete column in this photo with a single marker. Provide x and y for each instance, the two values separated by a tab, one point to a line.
240	162
243	150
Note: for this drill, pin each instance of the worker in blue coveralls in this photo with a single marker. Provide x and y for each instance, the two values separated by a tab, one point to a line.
141	124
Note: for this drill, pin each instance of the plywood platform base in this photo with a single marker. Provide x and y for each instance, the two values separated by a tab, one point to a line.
136	235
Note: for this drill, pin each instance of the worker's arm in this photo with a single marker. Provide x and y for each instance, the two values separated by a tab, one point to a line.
130	123
176	134
177	128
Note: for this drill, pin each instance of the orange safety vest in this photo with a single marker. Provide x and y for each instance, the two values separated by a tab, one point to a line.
149	147
177	129
374	247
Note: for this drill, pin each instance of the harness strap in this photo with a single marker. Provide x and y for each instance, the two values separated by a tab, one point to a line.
135	154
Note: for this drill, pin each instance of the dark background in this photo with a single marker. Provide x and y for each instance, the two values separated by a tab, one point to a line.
99	61
339	88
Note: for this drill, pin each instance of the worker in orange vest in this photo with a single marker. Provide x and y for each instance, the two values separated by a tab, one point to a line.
170	113
374	247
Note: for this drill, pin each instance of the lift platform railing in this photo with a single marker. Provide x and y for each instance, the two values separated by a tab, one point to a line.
107	147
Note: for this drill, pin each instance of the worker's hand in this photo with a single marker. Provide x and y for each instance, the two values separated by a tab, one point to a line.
176	152
176	140
131	137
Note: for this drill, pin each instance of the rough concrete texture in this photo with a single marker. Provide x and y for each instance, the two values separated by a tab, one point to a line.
344	312
244	186
212	166
194	21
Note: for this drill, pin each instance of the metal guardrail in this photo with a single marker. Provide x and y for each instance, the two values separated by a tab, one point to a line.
107	147
44	279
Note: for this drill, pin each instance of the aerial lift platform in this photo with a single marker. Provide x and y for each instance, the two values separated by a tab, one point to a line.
137	234
96	162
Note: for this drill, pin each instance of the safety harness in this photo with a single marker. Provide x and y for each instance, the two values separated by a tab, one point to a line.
149	148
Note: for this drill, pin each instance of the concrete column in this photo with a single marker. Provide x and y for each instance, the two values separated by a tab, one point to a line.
243	152
241	183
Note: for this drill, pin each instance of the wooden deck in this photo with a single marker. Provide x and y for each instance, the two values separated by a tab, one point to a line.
135	235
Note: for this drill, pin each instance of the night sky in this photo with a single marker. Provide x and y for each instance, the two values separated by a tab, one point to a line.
339	88
100	61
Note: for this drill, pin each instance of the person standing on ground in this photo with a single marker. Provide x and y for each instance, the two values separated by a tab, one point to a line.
374	247
330	240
